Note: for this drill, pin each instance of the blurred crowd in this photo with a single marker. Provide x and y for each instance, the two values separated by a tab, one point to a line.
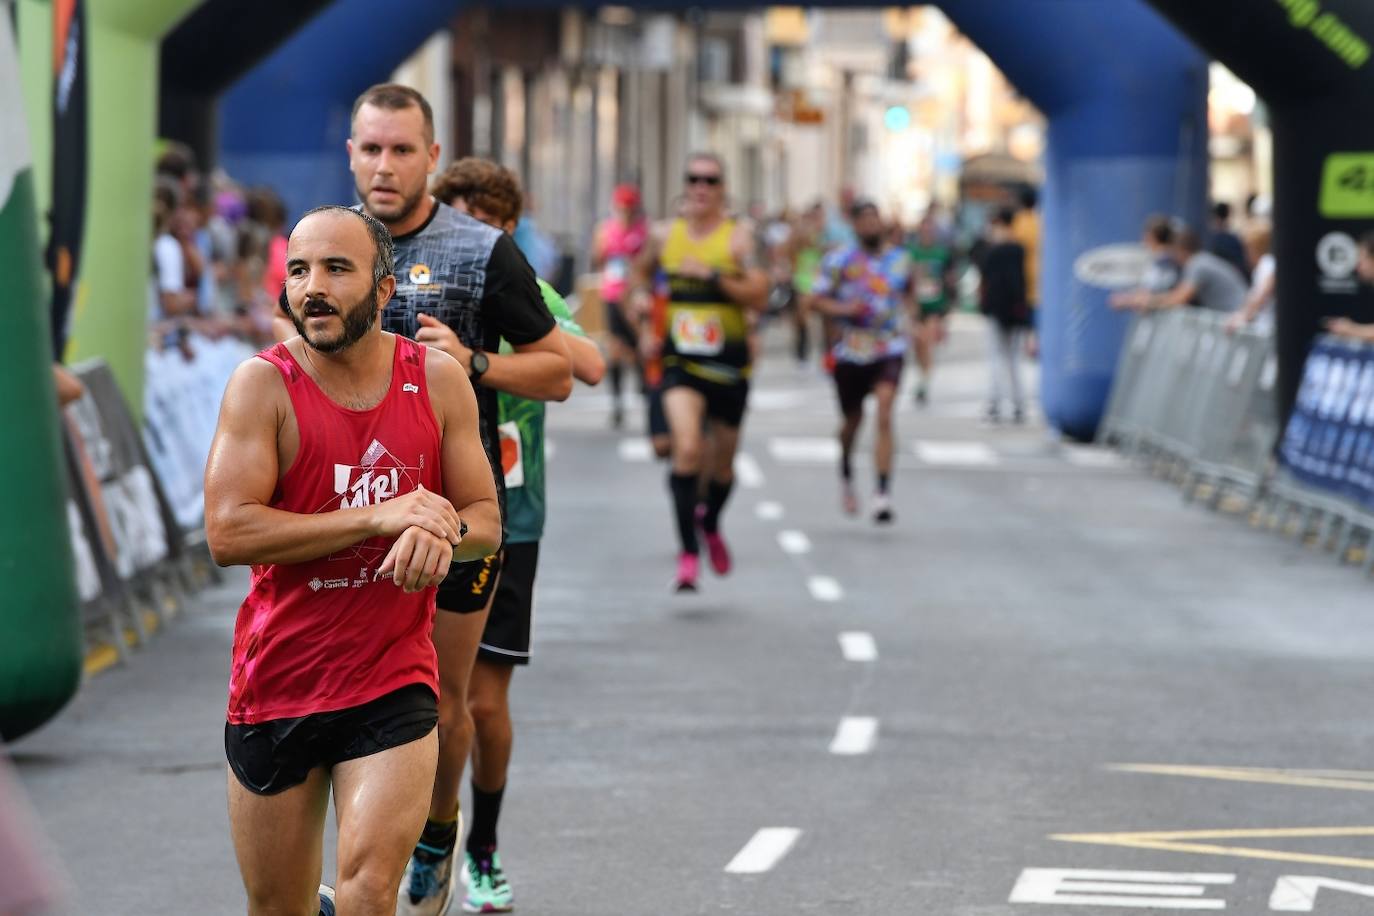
219	254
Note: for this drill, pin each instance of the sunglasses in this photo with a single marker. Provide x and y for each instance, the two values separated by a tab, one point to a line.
712	180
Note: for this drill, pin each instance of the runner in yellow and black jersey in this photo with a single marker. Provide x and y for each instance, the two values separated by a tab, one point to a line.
707	261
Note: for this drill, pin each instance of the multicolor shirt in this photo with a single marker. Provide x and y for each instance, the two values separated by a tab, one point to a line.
521	423
880	285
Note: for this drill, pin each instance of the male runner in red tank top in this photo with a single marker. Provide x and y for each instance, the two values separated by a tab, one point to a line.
348	470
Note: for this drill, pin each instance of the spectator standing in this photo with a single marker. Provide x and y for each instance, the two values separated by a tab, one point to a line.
1224	243
1025	229
1259	304
1005	304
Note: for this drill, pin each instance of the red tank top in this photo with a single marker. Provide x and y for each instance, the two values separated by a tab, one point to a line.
329	634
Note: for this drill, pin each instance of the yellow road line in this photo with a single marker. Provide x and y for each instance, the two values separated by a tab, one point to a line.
1351	780
1172	841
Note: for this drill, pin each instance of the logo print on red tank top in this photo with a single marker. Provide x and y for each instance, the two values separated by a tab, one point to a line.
377	477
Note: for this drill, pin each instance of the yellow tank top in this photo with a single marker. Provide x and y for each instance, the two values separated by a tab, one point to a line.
708	335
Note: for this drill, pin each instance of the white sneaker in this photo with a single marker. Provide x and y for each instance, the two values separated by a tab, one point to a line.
882	509
427	888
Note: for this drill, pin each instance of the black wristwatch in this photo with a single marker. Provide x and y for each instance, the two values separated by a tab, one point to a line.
462	529
479	364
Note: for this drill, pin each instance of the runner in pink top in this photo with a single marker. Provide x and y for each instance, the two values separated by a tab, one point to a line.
619	240
349	472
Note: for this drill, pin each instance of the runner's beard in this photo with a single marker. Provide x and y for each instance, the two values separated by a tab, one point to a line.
357	321
400	213
871	242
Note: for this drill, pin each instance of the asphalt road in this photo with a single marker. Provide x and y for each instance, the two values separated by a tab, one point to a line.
1038	618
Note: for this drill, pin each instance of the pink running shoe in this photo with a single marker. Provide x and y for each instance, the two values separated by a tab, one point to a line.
688	566
718	552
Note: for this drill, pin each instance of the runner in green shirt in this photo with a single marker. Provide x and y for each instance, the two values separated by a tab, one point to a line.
491	193
934	282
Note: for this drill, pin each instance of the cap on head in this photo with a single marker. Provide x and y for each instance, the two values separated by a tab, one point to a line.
626	196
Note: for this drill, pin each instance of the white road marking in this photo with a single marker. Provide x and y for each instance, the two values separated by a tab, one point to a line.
956	454
858	646
747	471
824	588
764	850
855	735
1146	889
804	451
636	450
794	542
769	511
1087	456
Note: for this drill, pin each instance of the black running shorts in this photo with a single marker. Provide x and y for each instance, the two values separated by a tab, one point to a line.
273	756
506	639
469	586
724	403
855	381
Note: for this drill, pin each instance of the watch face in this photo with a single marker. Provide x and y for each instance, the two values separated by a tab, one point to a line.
479	363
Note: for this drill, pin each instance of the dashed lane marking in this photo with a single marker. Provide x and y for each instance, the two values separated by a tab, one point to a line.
855	735
824	588
794	542
747	471
769	511
956	454
764	850
635	450
858	646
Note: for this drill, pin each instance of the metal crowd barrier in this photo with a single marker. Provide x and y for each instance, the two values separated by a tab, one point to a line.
135	507
1196	404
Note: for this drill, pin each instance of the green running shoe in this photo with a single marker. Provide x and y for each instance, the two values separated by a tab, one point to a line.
488	889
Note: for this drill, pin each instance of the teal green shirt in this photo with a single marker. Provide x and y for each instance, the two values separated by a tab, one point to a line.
522	443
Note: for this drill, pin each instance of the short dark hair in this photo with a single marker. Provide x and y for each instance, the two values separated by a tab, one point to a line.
1161	229
481	183
395	97
860	206
384	256
1221	210
1189	240
1029	198
1005	216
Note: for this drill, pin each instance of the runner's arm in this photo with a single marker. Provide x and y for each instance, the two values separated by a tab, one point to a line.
749	287
588	365
540	368
468	483
241	477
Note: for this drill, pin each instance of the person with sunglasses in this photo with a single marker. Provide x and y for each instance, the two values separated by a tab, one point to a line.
707	261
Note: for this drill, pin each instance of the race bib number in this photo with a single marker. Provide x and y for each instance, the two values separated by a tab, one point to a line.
512	455
698	335
617	269
861	344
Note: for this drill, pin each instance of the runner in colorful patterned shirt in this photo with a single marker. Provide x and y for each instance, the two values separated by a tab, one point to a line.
866	289
491	193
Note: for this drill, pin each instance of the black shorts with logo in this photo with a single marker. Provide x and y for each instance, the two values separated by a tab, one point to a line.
273	756
506	639
469	586
855	381
724	403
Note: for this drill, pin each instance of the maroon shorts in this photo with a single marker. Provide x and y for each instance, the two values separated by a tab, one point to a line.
855	381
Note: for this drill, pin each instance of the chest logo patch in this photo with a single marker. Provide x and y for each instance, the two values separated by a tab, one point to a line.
420	274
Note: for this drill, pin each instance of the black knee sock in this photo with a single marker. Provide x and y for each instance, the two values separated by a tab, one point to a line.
882	483
438	838
684	489
716	495
486	810
617	379
846	466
